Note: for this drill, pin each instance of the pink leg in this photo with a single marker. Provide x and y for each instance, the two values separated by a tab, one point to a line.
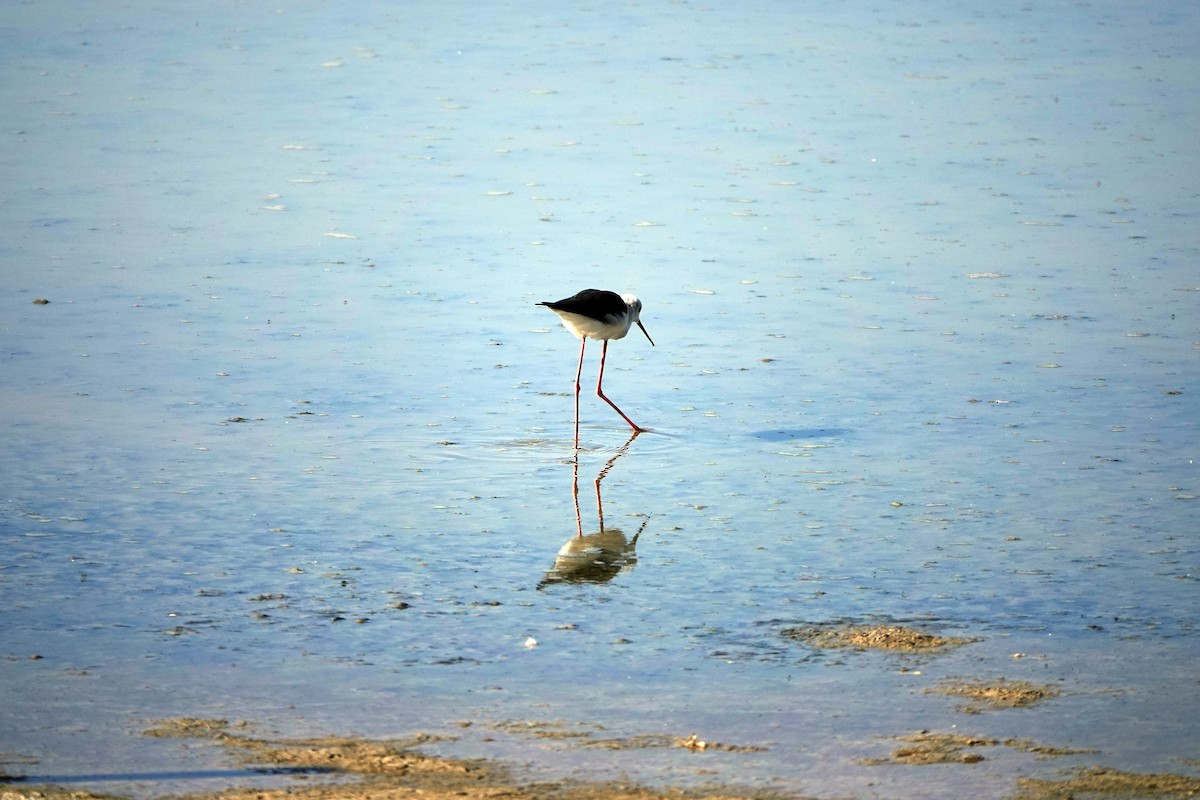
600	388
578	375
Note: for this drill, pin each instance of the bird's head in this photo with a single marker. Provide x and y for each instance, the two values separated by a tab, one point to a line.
635	313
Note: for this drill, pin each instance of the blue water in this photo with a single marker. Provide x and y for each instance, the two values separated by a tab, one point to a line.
292	443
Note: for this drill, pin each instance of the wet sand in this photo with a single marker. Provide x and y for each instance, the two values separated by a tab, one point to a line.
347	768
333	768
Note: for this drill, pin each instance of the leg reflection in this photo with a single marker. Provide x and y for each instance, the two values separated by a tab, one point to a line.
600	556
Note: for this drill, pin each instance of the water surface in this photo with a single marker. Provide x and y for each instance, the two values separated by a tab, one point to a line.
291	442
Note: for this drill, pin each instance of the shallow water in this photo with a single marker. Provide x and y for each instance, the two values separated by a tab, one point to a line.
292	443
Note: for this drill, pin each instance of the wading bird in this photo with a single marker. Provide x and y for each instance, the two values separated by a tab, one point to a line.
597	314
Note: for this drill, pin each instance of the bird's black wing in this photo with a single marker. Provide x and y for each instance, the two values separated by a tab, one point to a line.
595	303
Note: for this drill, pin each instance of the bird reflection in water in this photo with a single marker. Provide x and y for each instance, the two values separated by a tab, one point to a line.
595	557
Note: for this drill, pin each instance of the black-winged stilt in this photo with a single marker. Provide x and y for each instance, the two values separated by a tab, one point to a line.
597	314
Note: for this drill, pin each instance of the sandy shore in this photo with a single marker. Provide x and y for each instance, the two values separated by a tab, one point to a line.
356	769
339	768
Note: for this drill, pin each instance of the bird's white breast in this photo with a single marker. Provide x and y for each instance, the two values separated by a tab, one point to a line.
582	326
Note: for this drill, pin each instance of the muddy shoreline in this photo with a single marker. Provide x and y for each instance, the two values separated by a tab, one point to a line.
347	768
340	768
